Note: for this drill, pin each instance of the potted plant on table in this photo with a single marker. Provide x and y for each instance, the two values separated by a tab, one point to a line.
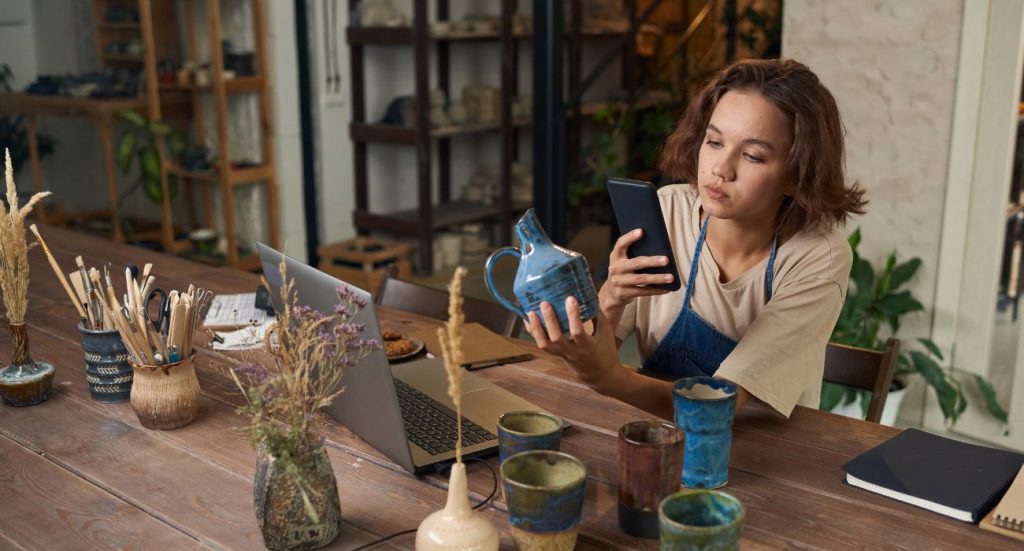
875	300
306	355
24	382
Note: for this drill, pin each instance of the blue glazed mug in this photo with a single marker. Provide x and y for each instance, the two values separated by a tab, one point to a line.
701	520
520	431
544	493
546	272
704	411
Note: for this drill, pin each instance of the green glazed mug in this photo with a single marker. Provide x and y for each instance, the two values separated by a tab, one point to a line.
693	520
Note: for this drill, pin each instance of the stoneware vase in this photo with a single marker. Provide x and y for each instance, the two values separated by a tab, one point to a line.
704	411
544	493
107	370
165	396
457	526
546	272
282	512
701	520
25	382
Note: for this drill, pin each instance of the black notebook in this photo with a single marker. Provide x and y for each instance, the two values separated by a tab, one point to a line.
959	480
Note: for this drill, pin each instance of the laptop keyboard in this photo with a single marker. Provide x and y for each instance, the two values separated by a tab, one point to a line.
431	426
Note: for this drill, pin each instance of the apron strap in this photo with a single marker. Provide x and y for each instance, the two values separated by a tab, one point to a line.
769	274
694	263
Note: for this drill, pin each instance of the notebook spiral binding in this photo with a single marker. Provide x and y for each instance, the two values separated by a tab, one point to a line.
1008	523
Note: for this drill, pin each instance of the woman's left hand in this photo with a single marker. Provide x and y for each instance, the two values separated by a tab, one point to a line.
594	358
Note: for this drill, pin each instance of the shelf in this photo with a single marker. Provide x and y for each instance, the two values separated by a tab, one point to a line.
407	222
120	26
236	85
236	176
124	58
390	133
405	35
379	35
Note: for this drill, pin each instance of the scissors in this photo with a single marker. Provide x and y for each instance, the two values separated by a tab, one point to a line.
163	312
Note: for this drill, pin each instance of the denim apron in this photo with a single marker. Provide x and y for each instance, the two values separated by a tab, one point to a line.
693	346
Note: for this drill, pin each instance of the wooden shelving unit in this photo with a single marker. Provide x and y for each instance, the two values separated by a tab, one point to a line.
227	177
428	217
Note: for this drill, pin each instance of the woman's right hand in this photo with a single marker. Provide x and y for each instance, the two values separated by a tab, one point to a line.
624	284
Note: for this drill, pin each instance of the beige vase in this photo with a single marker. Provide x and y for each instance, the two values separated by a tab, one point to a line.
165	396
457	526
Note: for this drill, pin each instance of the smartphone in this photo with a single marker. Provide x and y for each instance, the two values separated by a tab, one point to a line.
636	205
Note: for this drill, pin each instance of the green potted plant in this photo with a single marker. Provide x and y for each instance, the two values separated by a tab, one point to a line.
876	300
140	141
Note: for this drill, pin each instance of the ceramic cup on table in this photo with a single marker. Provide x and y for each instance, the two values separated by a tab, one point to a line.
544	493
650	462
693	520
704	409
165	396
106	365
520	431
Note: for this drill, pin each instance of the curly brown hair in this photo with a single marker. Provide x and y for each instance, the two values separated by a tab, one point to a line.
816	159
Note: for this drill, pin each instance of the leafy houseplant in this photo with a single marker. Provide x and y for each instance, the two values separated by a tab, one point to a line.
307	354
140	141
876	300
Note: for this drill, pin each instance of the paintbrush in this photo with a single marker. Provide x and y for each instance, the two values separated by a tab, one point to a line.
58	272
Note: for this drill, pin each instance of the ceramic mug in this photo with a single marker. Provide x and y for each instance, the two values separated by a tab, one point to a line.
520	431
704	410
544	493
166	396
650	462
694	520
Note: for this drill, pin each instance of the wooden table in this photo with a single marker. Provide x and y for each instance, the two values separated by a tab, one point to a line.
77	474
100	111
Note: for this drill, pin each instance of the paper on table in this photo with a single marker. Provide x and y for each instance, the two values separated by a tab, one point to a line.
246	338
235	310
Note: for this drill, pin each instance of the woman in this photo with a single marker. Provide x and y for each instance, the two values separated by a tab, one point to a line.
761	147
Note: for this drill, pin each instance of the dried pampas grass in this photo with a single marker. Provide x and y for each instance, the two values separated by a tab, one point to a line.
14	249
451	348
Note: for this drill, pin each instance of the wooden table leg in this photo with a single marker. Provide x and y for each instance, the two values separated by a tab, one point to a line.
33	155
108	163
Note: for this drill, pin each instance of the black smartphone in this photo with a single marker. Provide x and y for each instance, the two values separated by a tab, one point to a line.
636	205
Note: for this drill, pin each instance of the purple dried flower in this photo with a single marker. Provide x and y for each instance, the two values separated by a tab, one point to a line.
255	372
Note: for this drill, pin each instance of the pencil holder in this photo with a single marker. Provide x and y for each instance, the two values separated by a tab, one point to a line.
106	365
165	396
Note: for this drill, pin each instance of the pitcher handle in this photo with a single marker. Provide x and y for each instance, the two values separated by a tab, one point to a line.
489	278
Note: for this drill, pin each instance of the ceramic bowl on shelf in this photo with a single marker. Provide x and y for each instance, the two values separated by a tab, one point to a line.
204	240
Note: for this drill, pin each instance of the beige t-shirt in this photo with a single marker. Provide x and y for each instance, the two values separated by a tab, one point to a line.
780	353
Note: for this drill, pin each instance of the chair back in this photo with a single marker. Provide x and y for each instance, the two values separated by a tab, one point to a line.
863	369
433	303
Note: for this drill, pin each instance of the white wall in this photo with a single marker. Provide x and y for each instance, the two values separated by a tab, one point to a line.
892	67
17	40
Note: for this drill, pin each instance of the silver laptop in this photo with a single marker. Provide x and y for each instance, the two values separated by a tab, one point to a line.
403	410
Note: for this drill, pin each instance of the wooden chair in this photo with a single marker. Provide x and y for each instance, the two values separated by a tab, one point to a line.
865	370
433	303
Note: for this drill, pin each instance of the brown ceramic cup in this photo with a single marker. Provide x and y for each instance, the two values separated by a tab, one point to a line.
165	396
650	466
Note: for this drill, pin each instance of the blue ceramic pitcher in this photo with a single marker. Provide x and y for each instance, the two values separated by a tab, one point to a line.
546	272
